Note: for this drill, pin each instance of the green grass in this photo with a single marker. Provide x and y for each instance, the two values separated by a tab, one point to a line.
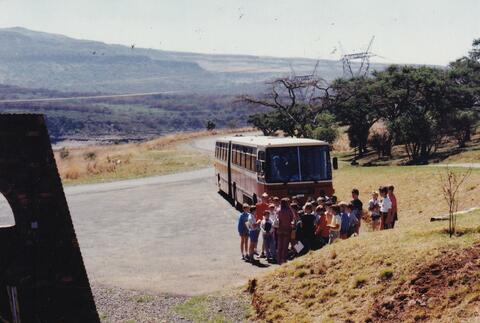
197	309
103	317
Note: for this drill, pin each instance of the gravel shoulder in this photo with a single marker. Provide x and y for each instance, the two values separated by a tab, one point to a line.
122	305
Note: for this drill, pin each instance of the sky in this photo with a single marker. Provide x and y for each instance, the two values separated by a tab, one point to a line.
407	31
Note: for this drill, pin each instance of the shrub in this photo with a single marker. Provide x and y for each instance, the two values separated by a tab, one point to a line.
311	293
359	281
300	273
325	133
327	294
64	153
90	155
210	125
386	274
72	173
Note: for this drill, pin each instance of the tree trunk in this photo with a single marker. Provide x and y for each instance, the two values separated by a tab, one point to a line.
387	150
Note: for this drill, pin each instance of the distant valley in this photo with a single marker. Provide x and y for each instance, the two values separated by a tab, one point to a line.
200	87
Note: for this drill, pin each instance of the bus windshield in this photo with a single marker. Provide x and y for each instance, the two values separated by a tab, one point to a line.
298	164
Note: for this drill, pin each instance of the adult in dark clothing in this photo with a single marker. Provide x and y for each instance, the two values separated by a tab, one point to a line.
357	209
307	223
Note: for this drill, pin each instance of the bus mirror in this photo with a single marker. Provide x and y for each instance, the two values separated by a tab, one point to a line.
259	167
335	162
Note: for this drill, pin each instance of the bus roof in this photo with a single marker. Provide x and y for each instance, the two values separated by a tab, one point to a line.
272	141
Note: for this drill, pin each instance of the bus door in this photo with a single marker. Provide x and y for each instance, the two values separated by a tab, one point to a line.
229	169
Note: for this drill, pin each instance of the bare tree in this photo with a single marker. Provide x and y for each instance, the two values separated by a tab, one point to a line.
451	182
300	99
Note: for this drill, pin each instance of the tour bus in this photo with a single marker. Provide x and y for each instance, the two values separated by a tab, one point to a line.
248	166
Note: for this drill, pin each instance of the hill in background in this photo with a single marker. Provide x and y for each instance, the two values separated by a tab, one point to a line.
29	58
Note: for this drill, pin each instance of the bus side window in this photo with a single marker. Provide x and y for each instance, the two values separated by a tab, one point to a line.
248	160
243	157
235	155
260	164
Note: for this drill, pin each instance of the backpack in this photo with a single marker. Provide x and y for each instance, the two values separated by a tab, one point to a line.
268	226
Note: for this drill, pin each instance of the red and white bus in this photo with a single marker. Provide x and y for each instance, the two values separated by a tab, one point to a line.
247	166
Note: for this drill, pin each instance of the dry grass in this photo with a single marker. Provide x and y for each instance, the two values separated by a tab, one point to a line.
341	143
343	281
417	189
366	268
468	156
163	155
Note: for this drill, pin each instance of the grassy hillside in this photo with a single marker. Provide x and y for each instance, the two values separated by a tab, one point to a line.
414	272
163	155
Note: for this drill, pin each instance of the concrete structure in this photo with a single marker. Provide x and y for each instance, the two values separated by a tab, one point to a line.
42	275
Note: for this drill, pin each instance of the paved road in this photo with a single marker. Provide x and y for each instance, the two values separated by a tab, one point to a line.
169	234
463	165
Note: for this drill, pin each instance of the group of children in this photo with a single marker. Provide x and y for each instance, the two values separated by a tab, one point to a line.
290	228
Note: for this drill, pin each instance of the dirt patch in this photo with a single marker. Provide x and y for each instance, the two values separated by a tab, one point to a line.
450	283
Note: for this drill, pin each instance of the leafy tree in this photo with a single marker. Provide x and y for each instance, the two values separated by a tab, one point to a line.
423	119
327	130
328	134
474	54
354	106
463	124
268	123
464	78
380	141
